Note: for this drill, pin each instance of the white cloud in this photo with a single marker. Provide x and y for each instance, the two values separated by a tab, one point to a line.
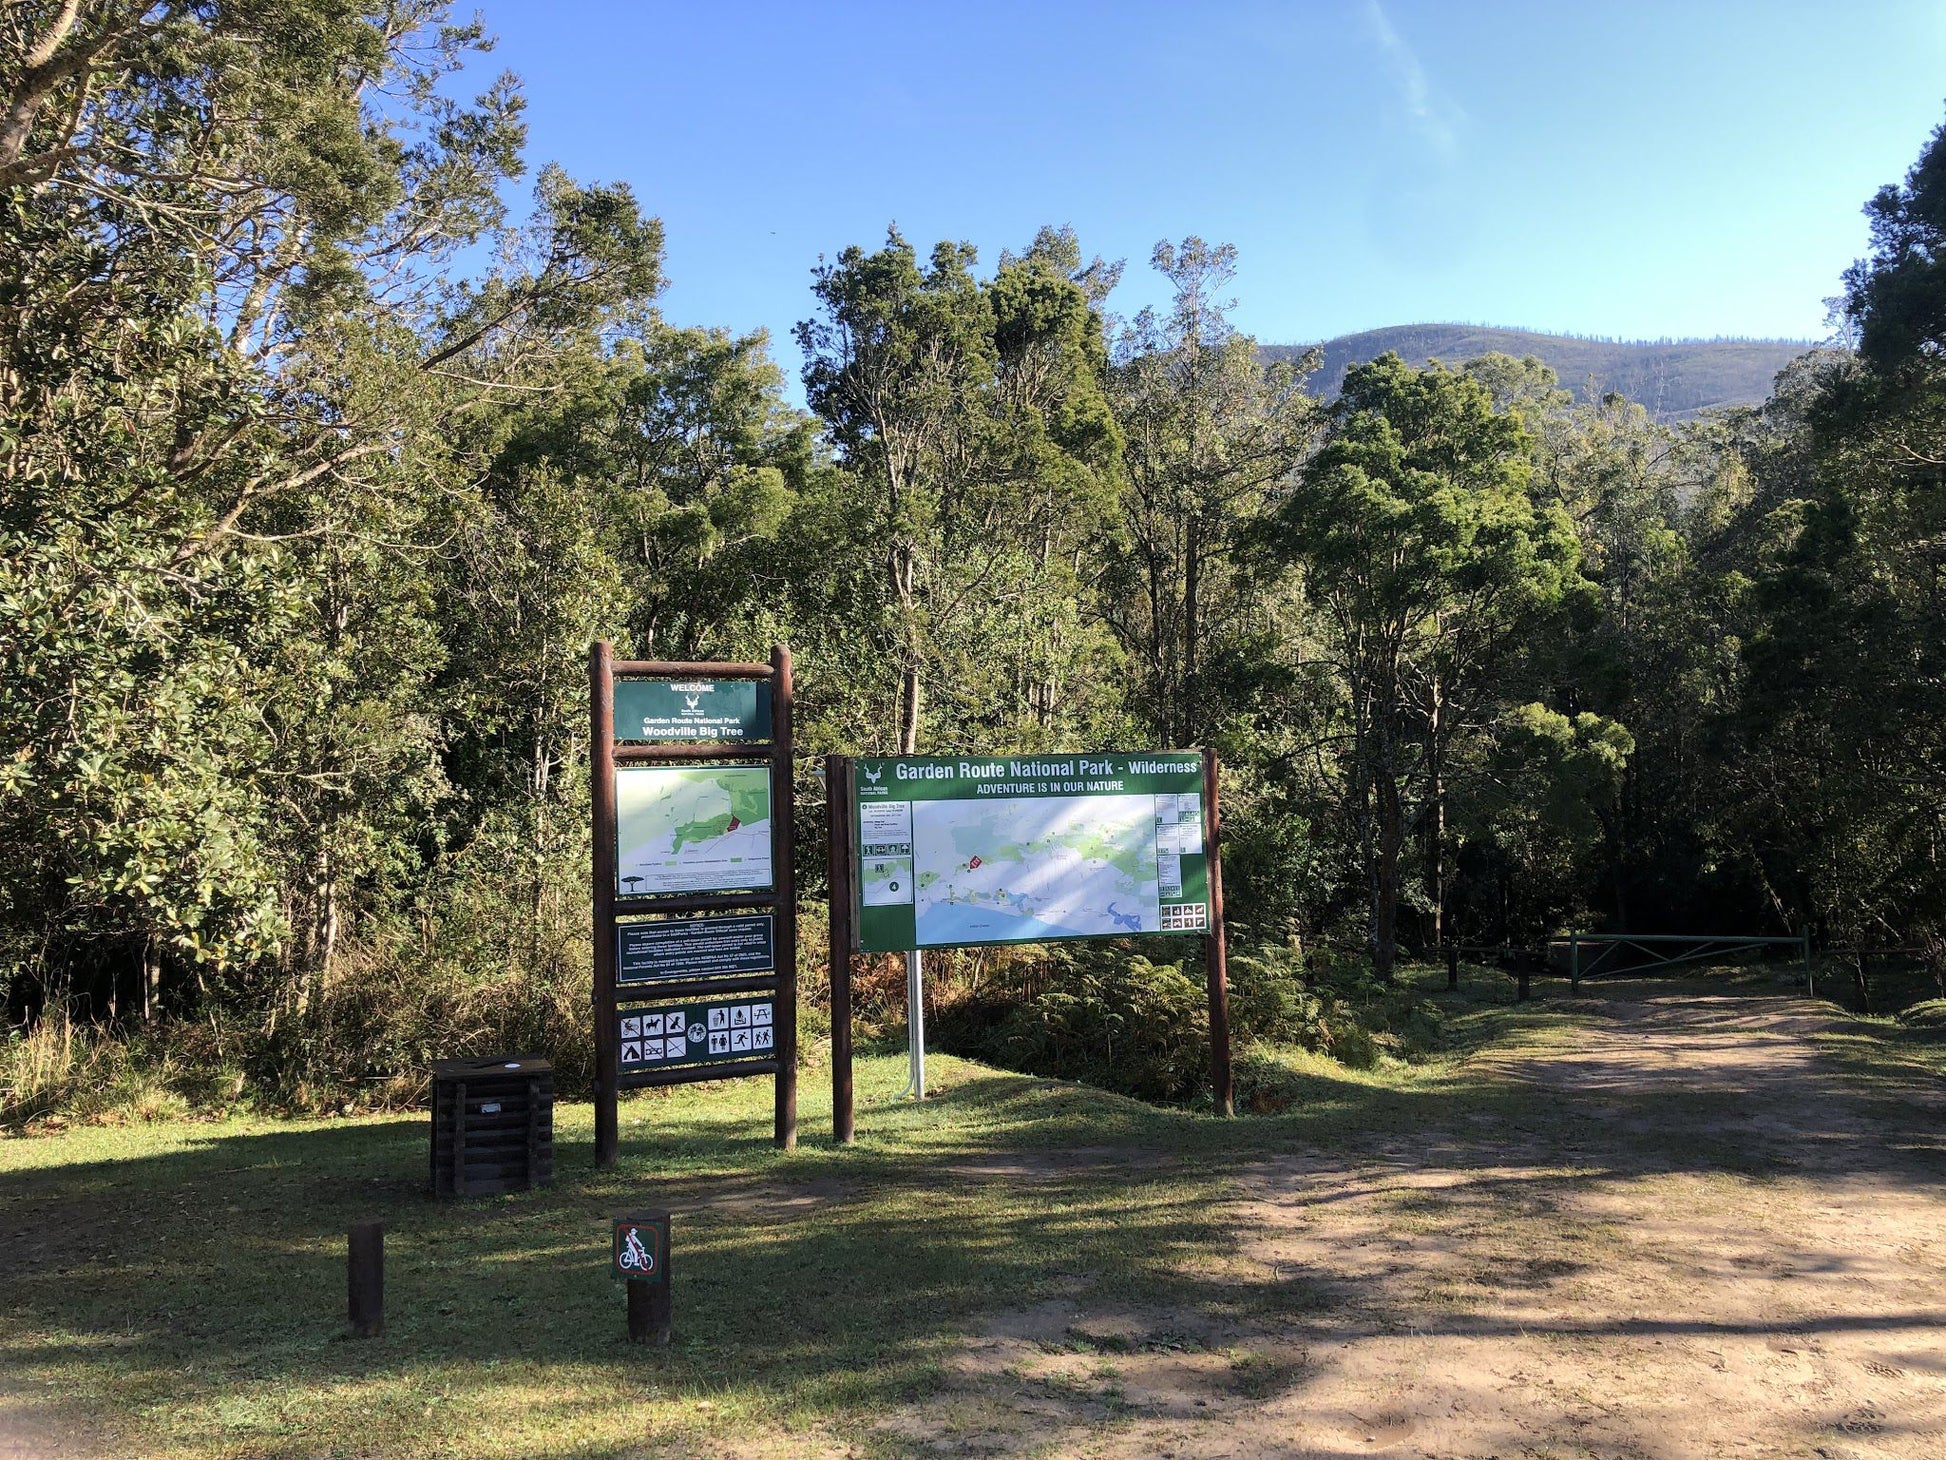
1431	116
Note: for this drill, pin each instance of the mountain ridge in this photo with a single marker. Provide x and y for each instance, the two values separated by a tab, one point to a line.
1675	380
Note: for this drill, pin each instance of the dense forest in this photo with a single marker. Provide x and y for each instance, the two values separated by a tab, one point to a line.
325	452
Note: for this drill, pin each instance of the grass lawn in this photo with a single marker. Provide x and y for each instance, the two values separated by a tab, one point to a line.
185	1282
178	1289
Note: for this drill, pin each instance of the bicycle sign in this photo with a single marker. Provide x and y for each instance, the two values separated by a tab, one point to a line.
634	1257
641	1247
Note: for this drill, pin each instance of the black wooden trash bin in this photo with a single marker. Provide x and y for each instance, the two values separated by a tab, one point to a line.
492	1125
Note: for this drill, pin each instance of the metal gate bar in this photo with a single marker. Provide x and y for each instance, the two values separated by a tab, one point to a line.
1701	946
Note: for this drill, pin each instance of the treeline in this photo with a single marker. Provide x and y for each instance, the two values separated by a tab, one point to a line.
320	469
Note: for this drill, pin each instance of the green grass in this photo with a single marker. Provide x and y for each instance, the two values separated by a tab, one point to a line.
187	1280
180	1285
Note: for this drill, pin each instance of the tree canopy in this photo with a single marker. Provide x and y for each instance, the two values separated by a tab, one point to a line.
324	457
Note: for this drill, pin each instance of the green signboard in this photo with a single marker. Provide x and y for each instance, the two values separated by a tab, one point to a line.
684	948
641	1246
1022	849
739	1029
692	709
692	828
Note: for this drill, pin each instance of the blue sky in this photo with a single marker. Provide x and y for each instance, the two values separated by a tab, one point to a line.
1634	169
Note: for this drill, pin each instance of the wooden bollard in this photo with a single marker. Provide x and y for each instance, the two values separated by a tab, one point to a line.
648	1311
365	1279
641	1259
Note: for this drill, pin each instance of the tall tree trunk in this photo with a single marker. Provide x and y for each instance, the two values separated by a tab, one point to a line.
1386	835
1436	791
1618	843
151	980
320	934
909	707
903	562
1385	881
1187	726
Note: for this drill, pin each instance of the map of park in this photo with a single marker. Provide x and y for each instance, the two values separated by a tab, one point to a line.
692	829
1045	868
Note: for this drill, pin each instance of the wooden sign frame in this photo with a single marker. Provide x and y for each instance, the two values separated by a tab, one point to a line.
842	869
605	755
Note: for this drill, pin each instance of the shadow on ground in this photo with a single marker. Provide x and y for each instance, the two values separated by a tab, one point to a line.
194	1289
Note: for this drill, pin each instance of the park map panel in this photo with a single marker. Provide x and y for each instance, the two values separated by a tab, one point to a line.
692	829
954	852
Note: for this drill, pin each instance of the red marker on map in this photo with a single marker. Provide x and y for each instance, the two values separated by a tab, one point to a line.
972	864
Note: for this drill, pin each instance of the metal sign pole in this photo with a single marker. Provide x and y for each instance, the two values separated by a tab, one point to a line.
915	995
915	1026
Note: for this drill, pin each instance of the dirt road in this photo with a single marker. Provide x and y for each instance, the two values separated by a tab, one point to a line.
1702	1229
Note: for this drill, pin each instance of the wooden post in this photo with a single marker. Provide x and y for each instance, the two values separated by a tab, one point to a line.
601	780
365	1279
1215	949
1574	960
783	831
1521	976
1452	967
644	1266
648	1310
1810	983
838	830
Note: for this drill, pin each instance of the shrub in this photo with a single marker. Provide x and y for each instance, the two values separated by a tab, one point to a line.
1929	1016
1103	1016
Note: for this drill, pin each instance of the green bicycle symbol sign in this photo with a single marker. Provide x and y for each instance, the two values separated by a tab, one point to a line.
641	1246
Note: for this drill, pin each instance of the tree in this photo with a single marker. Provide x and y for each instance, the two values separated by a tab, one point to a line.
1211	428
1896	297
971	416
1419	540
1533	812
897	367
240	374
1837	738
1058	455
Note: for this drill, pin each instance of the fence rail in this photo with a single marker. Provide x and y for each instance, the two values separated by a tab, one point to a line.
1699	947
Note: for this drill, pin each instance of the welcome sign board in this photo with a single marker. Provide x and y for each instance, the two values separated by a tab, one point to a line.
957	851
692	709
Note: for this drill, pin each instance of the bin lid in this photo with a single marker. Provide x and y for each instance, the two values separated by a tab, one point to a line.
488	1067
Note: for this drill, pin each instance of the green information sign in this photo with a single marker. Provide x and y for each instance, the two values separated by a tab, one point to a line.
692	709
692	828
1023	849
641	1246
740	1029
